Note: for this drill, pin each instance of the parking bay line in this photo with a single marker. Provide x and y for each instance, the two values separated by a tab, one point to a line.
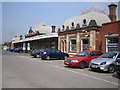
87	75
82	74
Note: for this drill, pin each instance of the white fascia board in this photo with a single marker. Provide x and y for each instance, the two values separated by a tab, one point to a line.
52	35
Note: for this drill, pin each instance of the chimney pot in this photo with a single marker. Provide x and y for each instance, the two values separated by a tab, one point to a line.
112	12
53	29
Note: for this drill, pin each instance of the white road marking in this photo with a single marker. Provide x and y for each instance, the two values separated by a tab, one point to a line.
87	75
73	71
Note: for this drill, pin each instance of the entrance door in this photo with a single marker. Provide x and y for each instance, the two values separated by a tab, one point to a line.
85	44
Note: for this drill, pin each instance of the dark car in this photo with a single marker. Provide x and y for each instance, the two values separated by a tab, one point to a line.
11	49
37	53
118	65
20	49
53	53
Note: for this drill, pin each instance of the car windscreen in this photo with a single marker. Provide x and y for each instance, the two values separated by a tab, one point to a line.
109	55
82	54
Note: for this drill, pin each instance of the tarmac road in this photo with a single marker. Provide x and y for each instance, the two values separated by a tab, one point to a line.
23	71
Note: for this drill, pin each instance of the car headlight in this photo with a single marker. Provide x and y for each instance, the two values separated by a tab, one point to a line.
103	63
117	63
74	61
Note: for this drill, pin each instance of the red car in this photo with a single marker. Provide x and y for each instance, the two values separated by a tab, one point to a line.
82	59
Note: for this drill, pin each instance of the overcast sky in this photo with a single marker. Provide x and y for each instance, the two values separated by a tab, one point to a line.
17	17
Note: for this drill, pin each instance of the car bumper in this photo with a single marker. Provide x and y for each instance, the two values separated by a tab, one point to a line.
71	64
99	67
32	54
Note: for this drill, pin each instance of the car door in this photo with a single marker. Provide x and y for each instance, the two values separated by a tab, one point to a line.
51	53
57	54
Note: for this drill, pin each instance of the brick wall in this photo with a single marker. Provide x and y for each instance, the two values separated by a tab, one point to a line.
106	29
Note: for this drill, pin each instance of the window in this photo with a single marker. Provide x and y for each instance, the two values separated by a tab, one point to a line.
85	44
109	55
73	45
57	51
93	53
112	44
98	53
118	56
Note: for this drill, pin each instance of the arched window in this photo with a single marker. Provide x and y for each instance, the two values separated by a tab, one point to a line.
84	21
92	22
63	26
78	25
72	24
67	28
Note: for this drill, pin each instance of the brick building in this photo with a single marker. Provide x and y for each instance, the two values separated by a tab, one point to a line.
110	36
92	30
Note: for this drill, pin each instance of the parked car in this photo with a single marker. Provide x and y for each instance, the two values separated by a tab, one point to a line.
11	49
118	65
53	53
37	53
106	62
82	59
20	49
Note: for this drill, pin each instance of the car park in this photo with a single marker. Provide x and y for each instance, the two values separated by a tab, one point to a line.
106	62
118	65
82	59
37	53
53	54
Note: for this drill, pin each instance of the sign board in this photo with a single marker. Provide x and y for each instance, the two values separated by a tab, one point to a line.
91	47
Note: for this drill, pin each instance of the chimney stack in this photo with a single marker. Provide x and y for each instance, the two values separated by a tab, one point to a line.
53	29
112	12
21	37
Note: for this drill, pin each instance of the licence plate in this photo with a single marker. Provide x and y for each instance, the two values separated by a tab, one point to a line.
94	66
66	63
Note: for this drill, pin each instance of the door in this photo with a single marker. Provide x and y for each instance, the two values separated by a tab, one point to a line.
57	54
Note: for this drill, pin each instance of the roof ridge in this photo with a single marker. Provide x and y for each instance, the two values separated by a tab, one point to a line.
93	9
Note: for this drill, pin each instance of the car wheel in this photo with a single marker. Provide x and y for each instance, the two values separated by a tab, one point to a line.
43	58
111	69
82	64
38	56
48	57
35	56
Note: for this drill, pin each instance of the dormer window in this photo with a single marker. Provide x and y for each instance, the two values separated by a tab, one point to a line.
84	22
63	26
92	23
67	28
72	24
78	25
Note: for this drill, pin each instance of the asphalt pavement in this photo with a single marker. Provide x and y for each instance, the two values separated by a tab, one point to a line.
20	70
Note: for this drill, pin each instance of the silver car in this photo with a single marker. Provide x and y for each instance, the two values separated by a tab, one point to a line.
106	62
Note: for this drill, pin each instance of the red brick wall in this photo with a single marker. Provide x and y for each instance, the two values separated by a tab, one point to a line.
106	28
